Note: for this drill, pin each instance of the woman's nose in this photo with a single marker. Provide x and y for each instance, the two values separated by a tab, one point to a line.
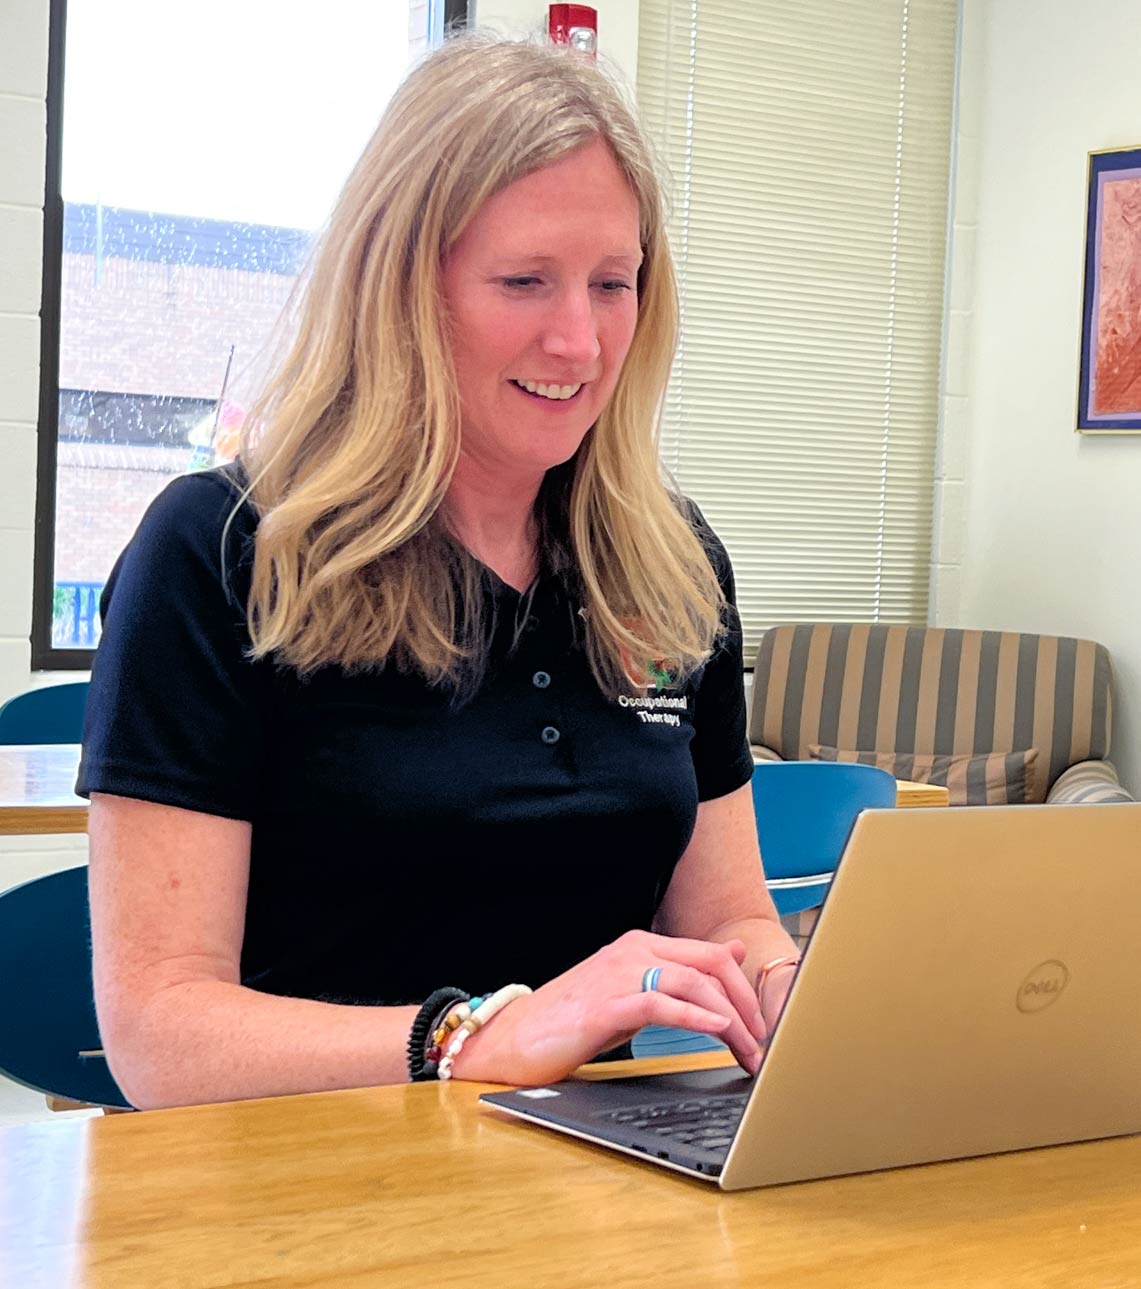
571	332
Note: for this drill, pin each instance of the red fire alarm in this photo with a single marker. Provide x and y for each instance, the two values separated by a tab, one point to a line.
575	25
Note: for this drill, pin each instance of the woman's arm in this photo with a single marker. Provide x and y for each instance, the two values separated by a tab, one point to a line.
168	900
718	893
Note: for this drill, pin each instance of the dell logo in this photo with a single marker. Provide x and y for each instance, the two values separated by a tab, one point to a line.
1042	986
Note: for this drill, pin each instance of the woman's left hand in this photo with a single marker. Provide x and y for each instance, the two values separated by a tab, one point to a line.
772	991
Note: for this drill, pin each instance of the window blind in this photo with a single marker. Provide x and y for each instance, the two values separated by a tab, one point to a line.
807	147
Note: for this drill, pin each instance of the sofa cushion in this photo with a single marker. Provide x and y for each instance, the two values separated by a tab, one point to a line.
998	778
1088	783
934	690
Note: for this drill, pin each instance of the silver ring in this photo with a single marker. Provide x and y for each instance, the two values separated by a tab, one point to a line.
650	979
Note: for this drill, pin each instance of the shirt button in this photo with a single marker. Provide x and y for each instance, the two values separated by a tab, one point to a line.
550	735
540	680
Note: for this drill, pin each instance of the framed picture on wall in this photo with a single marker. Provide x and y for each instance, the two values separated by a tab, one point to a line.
1109	379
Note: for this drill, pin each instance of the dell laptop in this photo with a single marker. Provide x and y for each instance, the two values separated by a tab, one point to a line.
973	985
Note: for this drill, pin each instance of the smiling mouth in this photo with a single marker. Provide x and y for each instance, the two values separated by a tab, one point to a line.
552	393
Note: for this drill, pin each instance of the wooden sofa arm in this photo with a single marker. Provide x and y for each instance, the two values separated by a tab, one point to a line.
1086	783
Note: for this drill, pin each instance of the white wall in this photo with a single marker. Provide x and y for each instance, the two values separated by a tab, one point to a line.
23	90
23	86
617	26
1051	538
948	537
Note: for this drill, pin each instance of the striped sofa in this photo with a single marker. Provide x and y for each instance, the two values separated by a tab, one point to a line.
996	716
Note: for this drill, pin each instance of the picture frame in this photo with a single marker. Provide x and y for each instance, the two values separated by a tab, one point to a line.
1109	367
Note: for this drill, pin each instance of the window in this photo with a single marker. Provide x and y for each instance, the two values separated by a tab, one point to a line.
809	149
192	153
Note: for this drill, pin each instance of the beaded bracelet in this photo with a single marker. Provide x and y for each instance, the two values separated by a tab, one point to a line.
424	1027
482	1010
446	1026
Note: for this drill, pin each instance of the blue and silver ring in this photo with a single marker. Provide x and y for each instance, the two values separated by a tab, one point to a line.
650	979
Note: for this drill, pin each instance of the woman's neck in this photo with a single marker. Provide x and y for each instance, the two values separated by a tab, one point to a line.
495	520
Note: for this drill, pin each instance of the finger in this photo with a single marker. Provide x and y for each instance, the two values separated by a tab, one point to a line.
691	985
716	960
634	1011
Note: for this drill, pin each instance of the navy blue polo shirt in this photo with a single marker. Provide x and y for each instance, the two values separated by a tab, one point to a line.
402	840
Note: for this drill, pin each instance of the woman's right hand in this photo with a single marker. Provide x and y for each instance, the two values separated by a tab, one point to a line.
600	1003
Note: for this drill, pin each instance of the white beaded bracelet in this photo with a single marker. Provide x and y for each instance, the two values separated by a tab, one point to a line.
483	1013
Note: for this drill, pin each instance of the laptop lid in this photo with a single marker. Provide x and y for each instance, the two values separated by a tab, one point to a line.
970	988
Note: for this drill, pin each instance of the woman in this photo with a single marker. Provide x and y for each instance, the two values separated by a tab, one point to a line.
439	686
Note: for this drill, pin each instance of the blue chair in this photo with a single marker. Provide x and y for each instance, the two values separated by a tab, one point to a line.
49	1037
665	1040
805	811
53	714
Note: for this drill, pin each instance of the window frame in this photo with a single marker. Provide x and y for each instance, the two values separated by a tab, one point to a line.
44	654
444	16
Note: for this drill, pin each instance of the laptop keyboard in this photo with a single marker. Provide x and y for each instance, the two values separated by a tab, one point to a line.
708	1124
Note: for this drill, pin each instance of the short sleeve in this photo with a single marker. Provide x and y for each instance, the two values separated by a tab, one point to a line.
175	711
722	759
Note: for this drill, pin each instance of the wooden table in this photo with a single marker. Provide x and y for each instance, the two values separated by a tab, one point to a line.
36	782
417	1186
920	794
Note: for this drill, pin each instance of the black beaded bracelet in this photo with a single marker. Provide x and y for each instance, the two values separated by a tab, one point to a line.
436	1007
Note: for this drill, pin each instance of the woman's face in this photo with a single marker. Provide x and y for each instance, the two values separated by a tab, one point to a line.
541	293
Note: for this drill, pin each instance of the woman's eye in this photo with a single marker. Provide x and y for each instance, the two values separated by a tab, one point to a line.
524	281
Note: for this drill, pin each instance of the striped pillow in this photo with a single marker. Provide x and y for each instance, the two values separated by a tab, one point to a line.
1087	783
997	779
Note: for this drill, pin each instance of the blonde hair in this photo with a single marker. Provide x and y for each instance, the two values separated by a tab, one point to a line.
352	445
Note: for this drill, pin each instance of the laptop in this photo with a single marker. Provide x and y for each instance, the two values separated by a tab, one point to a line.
971	987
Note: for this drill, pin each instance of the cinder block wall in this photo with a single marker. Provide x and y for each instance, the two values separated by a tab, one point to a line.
23	134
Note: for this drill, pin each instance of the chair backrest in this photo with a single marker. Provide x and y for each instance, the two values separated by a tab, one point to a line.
51	714
47	1003
805	811
862	687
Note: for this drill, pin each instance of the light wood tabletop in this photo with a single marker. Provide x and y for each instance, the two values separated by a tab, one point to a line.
920	794
420	1186
36	789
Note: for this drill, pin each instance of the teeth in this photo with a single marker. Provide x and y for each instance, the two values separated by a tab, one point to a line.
549	391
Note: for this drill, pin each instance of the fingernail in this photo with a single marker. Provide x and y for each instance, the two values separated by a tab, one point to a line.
755	1062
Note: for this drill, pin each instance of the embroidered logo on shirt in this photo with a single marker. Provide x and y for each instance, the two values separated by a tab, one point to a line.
656	675
656	709
662	678
653	673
